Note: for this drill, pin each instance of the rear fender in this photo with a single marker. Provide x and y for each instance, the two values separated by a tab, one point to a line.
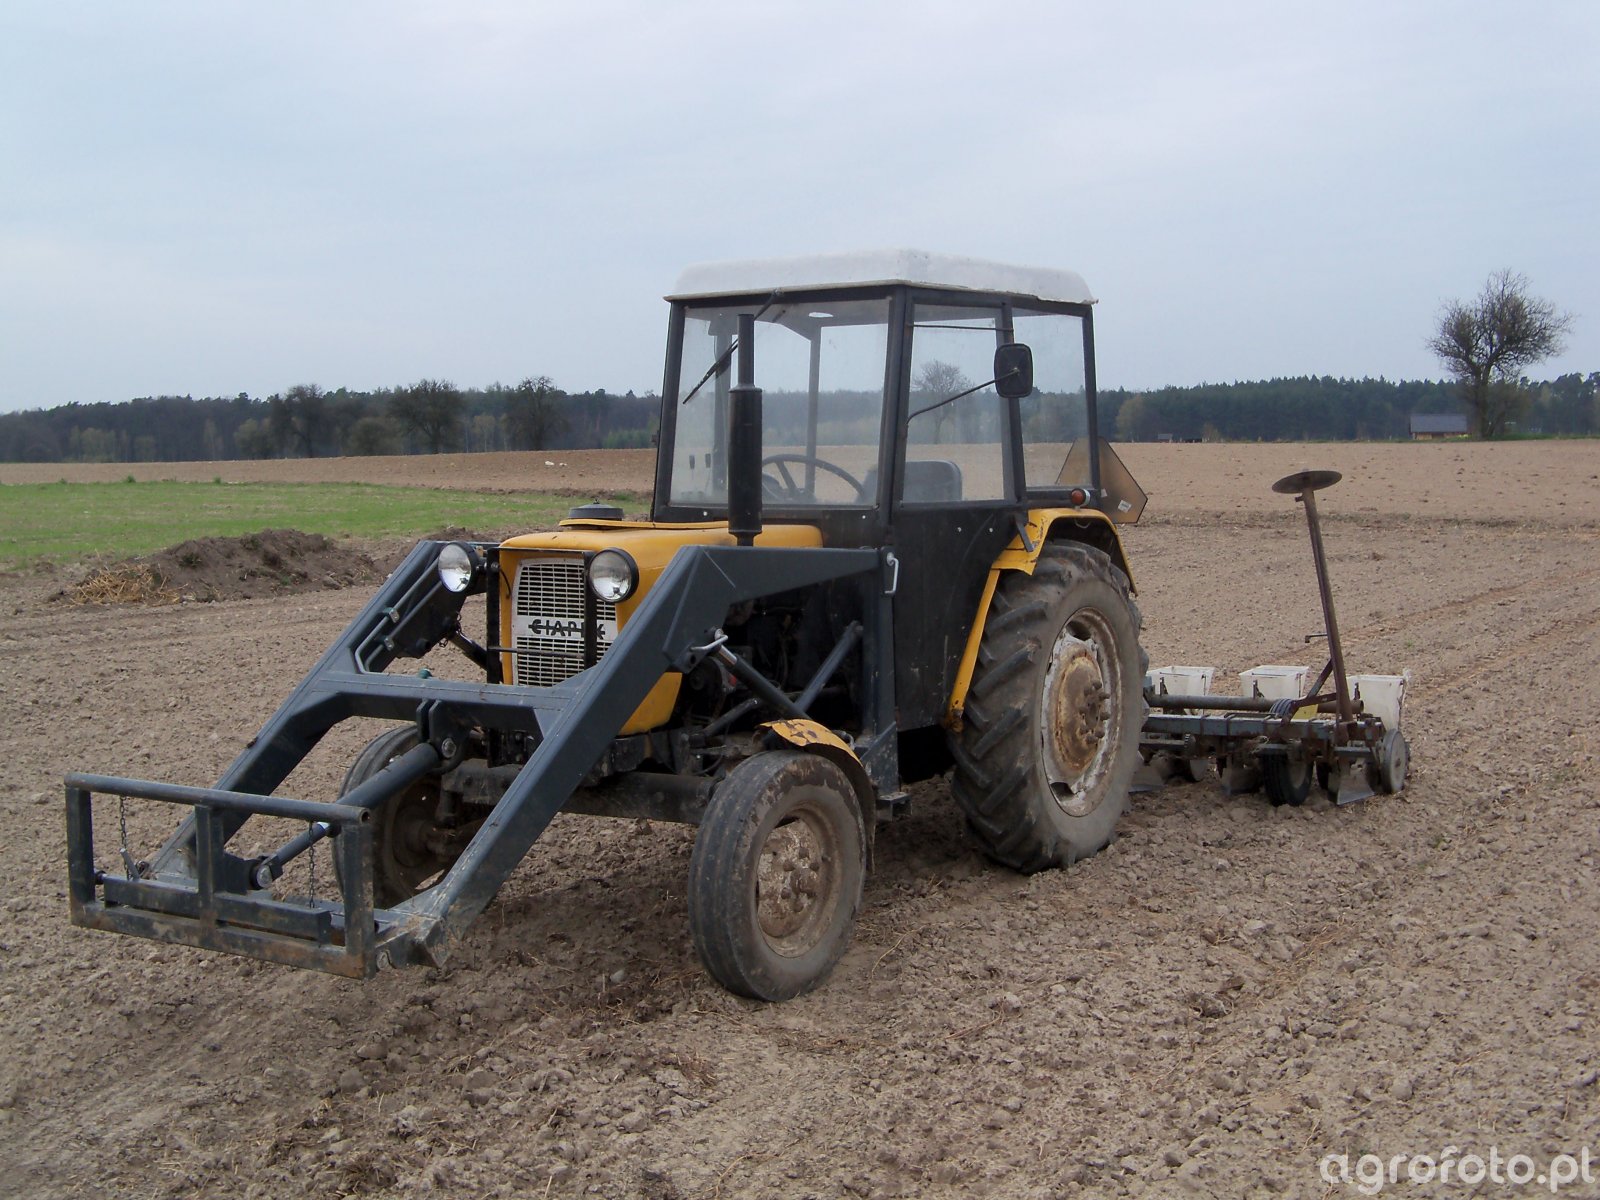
1087	527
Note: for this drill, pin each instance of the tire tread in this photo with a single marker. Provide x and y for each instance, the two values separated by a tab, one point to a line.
996	782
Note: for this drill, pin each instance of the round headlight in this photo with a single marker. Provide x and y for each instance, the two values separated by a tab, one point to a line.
613	575
456	567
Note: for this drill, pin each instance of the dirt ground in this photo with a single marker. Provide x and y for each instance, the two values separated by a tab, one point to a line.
270	563
1220	999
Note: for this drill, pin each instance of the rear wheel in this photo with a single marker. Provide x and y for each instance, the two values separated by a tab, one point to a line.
1051	723
776	876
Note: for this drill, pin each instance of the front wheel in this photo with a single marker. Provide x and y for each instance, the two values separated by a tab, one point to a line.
1051	723
776	877
411	848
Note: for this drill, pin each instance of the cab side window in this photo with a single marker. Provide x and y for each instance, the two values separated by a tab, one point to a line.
955	436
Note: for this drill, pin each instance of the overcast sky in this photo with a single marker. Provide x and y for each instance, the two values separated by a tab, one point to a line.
209	198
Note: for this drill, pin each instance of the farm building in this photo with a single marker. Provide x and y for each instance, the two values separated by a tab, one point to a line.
1428	426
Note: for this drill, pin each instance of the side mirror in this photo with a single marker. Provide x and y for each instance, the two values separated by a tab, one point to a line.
1013	370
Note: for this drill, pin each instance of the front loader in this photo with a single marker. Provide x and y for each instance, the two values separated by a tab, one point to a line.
895	558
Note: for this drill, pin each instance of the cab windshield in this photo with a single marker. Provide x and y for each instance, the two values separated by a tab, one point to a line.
821	367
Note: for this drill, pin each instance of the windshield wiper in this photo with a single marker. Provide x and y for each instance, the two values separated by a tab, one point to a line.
723	359
948	400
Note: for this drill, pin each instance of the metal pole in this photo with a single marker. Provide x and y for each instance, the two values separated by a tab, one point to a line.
1306	484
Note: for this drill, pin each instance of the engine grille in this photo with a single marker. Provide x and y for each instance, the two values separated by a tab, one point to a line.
547	621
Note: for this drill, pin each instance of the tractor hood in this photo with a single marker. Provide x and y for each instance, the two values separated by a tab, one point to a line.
544	613
651	543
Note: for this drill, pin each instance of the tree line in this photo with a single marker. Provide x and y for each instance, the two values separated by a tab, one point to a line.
432	416
1322	408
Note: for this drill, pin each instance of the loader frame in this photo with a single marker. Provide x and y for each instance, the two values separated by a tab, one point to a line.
195	892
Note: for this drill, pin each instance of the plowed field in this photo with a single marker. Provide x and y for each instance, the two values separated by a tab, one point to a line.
1223	997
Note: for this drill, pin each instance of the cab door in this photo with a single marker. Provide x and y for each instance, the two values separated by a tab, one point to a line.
957	491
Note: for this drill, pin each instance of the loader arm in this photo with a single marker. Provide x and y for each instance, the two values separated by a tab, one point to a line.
679	615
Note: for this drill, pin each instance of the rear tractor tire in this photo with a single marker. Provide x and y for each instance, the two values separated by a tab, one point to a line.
1051	724
776	876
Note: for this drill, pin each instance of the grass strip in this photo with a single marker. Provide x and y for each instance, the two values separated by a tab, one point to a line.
66	522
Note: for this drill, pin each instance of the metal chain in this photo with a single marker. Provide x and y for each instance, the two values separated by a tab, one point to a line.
311	869
128	862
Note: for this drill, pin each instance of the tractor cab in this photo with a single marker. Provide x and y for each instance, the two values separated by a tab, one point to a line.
924	403
881	393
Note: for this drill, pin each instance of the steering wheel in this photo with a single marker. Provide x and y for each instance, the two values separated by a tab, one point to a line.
788	489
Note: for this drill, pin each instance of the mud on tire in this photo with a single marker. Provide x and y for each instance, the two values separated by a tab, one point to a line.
1051	723
775	880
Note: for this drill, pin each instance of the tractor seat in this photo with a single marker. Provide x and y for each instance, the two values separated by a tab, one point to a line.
928	481
932	481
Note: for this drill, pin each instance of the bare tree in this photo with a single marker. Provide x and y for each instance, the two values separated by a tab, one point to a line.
254	439
431	409
534	413
935	382
1486	342
372	435
299	418
1134	419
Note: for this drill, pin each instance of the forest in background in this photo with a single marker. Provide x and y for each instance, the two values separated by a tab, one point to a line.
432	416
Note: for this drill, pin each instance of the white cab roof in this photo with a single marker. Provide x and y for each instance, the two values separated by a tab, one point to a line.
876	267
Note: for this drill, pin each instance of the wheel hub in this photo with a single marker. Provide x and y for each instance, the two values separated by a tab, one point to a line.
413	827
1076	723
412	846
795	885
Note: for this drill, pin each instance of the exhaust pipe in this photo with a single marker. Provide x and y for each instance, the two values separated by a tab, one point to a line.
744	441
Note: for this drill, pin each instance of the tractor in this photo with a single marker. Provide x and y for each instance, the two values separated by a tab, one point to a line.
882	548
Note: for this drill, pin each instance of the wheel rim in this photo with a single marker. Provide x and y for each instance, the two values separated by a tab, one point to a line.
1395	760
1078	730
797	881
407	860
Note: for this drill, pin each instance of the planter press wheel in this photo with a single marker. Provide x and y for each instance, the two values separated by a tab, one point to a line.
1285	777
1285	780
1394	761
